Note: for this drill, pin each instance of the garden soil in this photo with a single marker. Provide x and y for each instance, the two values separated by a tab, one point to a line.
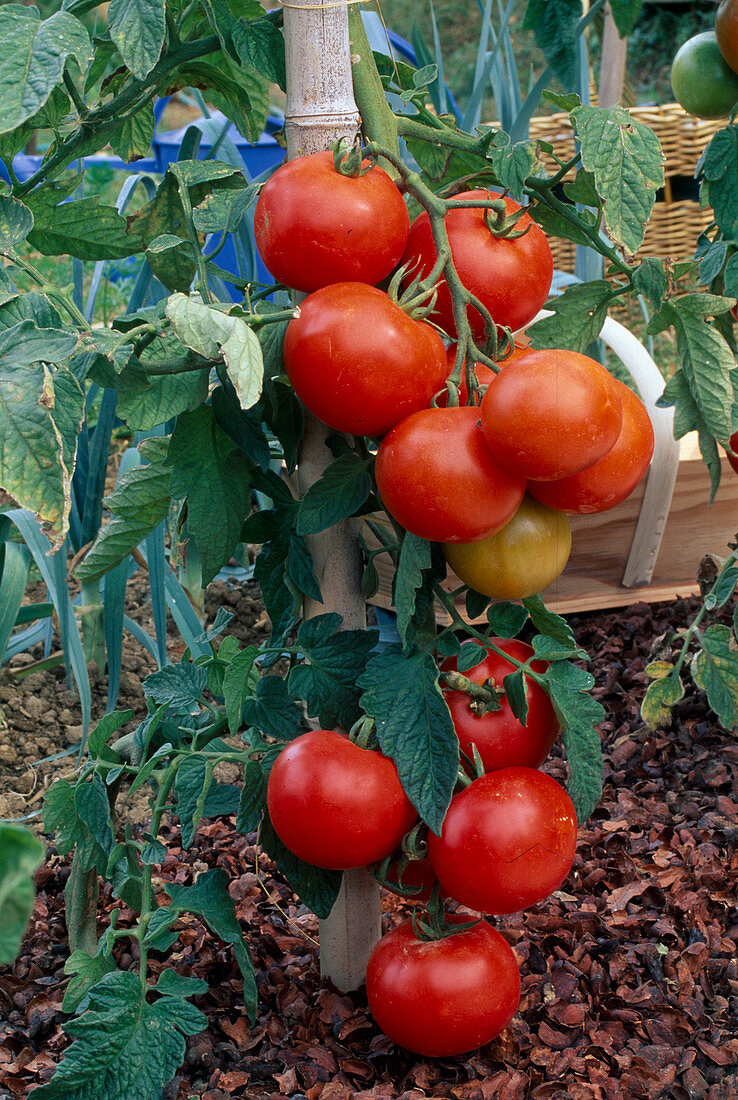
629	972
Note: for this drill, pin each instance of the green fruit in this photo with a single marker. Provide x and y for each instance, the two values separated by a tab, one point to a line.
702	82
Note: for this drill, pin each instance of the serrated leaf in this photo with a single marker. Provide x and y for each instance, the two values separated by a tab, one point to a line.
137	27
260	46
162	400
245	428
513	164
194	776
659	670
578	714
476	603
554	26
578	316
470	655
214	476
172	260
628	165
252	804
124	1045
415	558
33	54
327	680
85	228
223	210
414	727
272	710
650	280
515	691
86	971
179	686
20	855
625	13
316	887
139	502
659	699
550	649
719	167
132	140
715	670
707	362
338	493
507	619
214	334
172	984
238	684
209	899
548	623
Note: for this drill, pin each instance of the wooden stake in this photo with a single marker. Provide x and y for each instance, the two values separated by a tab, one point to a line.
612	69
321	109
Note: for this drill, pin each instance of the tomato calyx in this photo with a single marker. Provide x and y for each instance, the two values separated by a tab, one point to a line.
437	926
348	160
362	733
484	698
501	224
417	299
390	871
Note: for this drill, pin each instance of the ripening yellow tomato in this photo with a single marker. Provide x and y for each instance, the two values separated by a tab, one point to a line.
522	559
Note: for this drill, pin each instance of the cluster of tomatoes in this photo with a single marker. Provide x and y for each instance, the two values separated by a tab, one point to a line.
704	73
508	841
553	433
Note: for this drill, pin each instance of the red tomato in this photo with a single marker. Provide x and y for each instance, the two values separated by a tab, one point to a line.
336	805
417	873
502	741
314	226
726	31
508	841
551	414
358	362
510	276
437	477
734	447
615	476
443	997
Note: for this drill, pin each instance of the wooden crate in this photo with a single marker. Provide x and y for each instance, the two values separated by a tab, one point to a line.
601	544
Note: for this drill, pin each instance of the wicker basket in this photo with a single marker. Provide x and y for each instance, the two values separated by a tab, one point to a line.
674	226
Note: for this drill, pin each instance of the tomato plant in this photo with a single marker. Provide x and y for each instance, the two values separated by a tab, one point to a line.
443	997
359	362
500	738
417	874
523	558
702	81
615	476
314	225
508	841
335	804
437	477
510	275
551	413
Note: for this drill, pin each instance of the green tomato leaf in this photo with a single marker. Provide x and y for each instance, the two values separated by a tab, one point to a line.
625	13
33	54
515	690
86	971
628	165
139	502
179	686
214	476
650	280
172	261
554	26
337	494
578	316
132	140
172	984
578	714
719	169
115	1053
20	855
209	899
192	783
223	210
715	670
328	680
260	47
273	711
163	399
252	804
238	684
706	360
548	623
85	228
414	727
215	334
16	221
554	224
244	427
317	888
513	164
507	619
415	559
138	27
660	697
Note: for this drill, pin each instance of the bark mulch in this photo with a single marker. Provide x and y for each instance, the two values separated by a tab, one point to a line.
629	973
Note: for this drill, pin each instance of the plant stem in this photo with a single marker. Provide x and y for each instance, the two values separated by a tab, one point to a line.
49	289
165	786
111	114
75	96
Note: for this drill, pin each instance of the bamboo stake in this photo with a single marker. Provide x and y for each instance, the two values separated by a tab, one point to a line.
321	109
